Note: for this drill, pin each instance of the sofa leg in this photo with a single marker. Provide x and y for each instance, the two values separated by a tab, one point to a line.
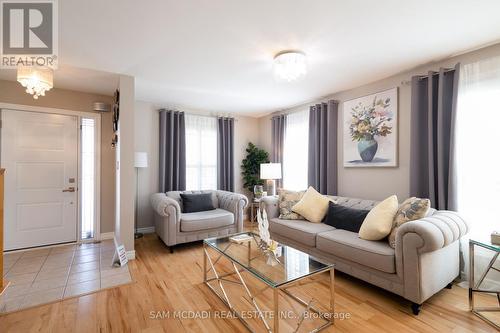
171	248
415	308
449	285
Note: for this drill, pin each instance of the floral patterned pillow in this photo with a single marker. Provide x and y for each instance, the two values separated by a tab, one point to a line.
286	200
410	210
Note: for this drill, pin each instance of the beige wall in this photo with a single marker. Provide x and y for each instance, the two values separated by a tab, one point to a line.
13	93
246	130
378	183
125	200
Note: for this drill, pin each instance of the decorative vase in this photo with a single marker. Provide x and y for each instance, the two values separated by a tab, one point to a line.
367	148
258	190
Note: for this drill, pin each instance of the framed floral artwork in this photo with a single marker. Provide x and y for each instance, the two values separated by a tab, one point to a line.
371	130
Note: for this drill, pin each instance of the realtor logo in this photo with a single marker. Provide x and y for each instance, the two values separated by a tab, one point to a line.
29	33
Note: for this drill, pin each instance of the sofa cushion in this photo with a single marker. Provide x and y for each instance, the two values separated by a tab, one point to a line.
313	206
300	231
206	220
346	244
286	200
378	223
196	202
342	217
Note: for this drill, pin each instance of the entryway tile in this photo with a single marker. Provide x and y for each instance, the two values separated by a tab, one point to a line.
42	297
25	268
15	279
82	288
35	253
86	258
88	266
17	290
63	249
47	273
50	283
115	280
84	276
11	304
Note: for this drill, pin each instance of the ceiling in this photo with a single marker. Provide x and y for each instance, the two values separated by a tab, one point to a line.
216	55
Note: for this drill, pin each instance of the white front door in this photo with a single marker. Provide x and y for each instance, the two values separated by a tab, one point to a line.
39	152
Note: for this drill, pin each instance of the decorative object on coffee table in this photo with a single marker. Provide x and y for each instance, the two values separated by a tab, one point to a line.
270	172
370	130
475	286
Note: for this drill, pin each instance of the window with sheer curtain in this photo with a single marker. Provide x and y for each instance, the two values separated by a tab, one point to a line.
476	147
295	151
201	153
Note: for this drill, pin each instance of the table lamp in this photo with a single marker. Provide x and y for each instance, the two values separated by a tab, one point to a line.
270	172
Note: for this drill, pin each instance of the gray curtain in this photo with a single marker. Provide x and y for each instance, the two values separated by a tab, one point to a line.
225	154
278	124
322	164
433	117
172	151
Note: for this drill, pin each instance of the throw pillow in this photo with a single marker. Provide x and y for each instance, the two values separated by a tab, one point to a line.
346	218
312	206
286	200
410	210
196	202
378	223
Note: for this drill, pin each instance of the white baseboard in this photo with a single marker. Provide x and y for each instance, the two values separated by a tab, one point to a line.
130	255
107	235
146	230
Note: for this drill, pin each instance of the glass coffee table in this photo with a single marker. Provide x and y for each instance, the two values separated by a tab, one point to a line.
475	286
226	262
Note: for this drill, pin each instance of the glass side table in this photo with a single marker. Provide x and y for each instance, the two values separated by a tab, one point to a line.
475	287
254	206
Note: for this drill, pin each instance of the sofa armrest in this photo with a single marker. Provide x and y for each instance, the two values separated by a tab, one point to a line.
271	206
433	232
165	206
234	203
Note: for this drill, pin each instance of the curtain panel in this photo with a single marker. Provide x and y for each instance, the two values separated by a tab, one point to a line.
225	154
433	120
322	160
278	125
172	167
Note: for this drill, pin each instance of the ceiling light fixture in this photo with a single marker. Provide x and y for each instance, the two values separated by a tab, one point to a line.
36	80
290	65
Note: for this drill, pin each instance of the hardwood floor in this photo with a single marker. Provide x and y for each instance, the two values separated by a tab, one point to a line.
168	282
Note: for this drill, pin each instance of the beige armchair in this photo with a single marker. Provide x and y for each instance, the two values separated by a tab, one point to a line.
175	227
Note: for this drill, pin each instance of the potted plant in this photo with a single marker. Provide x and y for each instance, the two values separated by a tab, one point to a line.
251	166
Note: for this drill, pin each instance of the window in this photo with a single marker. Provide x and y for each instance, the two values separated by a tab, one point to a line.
88	178
295	151
201	153
477	159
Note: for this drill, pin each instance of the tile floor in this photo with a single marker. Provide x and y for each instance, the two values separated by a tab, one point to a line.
45	275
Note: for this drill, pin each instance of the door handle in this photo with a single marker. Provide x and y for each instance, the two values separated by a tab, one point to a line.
69	189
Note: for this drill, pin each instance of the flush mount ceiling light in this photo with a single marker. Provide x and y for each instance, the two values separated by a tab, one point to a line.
36	80
290	65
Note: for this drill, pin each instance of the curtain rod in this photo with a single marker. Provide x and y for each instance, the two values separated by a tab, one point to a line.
421	77
198	114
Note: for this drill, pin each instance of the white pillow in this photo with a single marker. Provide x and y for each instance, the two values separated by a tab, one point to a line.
378	223
313	206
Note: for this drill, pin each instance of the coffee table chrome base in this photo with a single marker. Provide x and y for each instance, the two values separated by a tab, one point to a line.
474	287
223	295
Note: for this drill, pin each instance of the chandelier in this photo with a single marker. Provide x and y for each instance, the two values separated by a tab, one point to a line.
36	80
290	65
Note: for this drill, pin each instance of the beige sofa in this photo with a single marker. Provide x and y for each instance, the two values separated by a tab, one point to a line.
175	227
425	260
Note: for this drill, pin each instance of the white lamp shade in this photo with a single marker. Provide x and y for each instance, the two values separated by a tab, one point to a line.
141	160
270	171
